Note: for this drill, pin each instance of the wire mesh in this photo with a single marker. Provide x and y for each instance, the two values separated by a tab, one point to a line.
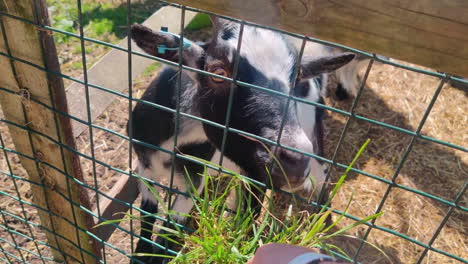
19	257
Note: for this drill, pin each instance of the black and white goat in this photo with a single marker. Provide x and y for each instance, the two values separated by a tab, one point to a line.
266	59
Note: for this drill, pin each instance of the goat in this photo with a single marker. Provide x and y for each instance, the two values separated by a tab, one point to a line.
267	59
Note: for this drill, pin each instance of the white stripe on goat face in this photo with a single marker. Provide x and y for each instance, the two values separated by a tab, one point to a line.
267	51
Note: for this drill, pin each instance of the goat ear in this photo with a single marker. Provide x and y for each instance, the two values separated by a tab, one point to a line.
149	41
164	45
313	67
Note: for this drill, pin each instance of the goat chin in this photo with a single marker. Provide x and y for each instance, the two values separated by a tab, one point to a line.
313	183
308	186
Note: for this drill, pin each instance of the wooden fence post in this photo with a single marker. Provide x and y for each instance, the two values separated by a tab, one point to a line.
432	33
40	129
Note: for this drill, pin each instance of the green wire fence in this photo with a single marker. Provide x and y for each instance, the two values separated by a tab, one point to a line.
29	234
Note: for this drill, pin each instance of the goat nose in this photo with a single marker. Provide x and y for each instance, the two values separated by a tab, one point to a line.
295	165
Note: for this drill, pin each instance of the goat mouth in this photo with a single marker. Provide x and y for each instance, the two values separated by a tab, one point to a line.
280	180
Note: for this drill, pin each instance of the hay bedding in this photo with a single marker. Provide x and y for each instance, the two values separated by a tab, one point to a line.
392	95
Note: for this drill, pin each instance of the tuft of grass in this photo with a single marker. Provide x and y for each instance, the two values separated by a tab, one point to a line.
102	20
232	235
98	17
199	21
101	26
151	69
64	16
77	65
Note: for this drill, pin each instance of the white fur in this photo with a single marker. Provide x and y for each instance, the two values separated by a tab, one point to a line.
183	205
267	51
192	131
348	75
306	112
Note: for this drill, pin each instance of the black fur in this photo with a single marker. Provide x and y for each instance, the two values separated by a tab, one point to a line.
154	126
319	115
203	150
252	111
146	228
341	93
150	124
227	34
302	89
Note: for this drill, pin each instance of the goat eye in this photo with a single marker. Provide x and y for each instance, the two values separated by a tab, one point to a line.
302	89
218	71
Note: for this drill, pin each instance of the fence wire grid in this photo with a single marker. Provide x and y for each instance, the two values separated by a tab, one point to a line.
21	215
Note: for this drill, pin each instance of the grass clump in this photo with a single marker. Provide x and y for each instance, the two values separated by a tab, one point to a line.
99	17
149	71
232	235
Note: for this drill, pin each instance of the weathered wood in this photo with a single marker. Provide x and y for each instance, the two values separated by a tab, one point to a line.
125	190
433	33
28	43
112	71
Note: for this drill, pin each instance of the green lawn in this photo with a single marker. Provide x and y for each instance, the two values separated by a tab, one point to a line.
104	20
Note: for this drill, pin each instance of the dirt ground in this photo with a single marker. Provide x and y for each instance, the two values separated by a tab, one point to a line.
392	95
399	97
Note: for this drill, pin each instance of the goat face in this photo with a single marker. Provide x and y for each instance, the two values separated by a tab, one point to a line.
267	59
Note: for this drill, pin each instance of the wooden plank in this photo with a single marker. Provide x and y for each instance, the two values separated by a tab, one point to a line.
28	43
433	33
125	190
112	71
